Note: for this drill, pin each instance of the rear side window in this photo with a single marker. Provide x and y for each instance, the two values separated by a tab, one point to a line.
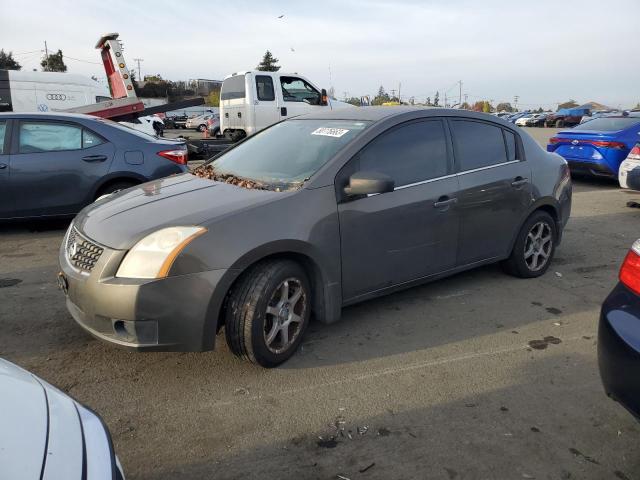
478	144
409	153
232	88
608	124
264	86
38	137
3	132
510	140
90	139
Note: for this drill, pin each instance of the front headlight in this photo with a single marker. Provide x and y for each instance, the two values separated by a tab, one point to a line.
153	256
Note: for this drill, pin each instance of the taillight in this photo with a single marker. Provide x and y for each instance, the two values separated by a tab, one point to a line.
635	153
595	143
630	270
177	156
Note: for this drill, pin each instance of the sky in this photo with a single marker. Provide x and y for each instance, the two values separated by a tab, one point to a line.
545	52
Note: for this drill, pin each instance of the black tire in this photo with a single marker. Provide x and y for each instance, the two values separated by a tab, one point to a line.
518	263
202	128
559	123
247	317
114	187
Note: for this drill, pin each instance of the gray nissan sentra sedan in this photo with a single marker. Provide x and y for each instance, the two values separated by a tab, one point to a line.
305	217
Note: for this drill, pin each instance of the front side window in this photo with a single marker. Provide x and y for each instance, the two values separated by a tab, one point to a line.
264	86
477	144
38	137
3	132
409	153
295	89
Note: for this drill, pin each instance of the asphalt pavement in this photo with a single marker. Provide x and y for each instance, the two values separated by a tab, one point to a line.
480	375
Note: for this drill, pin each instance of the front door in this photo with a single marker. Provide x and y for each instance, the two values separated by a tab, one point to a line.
407	234
298	97
495	189
55	166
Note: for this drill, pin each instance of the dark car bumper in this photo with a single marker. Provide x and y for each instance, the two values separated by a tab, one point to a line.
177	313
619	347
590	168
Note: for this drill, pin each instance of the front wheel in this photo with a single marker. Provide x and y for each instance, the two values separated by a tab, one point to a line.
559	124
534	248
202	128
268	312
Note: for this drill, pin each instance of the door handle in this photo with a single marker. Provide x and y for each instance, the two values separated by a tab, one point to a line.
3	166
519	181
283	111
445	202
94	158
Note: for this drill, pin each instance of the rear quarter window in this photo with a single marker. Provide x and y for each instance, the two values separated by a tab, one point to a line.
233	88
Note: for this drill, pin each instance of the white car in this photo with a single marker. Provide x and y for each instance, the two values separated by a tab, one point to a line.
629	173
151	125
198	123
522	121
45	434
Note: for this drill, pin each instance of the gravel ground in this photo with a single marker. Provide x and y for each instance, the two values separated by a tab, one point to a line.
438	381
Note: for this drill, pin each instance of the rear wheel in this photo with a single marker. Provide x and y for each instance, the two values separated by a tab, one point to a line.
202	128
559	123
534	248
268	312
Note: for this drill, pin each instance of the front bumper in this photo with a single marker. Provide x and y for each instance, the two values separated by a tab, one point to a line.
619	348
177	313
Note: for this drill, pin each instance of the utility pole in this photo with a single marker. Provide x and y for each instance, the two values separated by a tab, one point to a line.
399	88
466	98
393	92
46	55
515	102
460	99
445	100
138	60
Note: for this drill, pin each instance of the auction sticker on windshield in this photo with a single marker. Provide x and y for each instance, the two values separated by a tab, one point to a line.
330	132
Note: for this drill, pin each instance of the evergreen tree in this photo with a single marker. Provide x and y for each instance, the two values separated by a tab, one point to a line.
7	62
54	62
268	63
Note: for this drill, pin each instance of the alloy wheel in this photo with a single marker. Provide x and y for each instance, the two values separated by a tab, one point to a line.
538	246
284	315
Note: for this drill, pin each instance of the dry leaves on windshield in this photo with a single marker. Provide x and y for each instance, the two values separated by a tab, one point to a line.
208	172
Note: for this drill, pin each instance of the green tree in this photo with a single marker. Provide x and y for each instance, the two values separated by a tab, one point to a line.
54	62
381	98
268	63
428	101
487	107
504	107
7	62
353	101
436	99
213	99
465	106
570	104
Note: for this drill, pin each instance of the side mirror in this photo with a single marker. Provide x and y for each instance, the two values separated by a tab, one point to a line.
368	183
324	99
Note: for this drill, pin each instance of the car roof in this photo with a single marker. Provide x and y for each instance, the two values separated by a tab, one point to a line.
375	114
48	115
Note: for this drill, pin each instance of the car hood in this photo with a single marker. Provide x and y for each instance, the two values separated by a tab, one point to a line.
122	219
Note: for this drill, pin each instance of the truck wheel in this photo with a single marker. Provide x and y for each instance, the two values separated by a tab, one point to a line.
559	123
534	248
268	312
202	128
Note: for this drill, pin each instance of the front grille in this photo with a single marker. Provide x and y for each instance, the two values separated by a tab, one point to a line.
81	252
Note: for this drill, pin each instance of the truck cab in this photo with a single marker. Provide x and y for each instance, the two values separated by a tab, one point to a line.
253	100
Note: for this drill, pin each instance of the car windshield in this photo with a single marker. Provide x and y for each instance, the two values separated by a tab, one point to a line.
285	155
608	124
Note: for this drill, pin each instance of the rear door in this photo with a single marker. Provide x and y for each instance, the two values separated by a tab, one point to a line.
55	166
266	106
495	188
6	199
407	234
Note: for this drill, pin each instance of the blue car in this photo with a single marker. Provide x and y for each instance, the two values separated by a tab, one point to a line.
55	164
619	336
597	147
